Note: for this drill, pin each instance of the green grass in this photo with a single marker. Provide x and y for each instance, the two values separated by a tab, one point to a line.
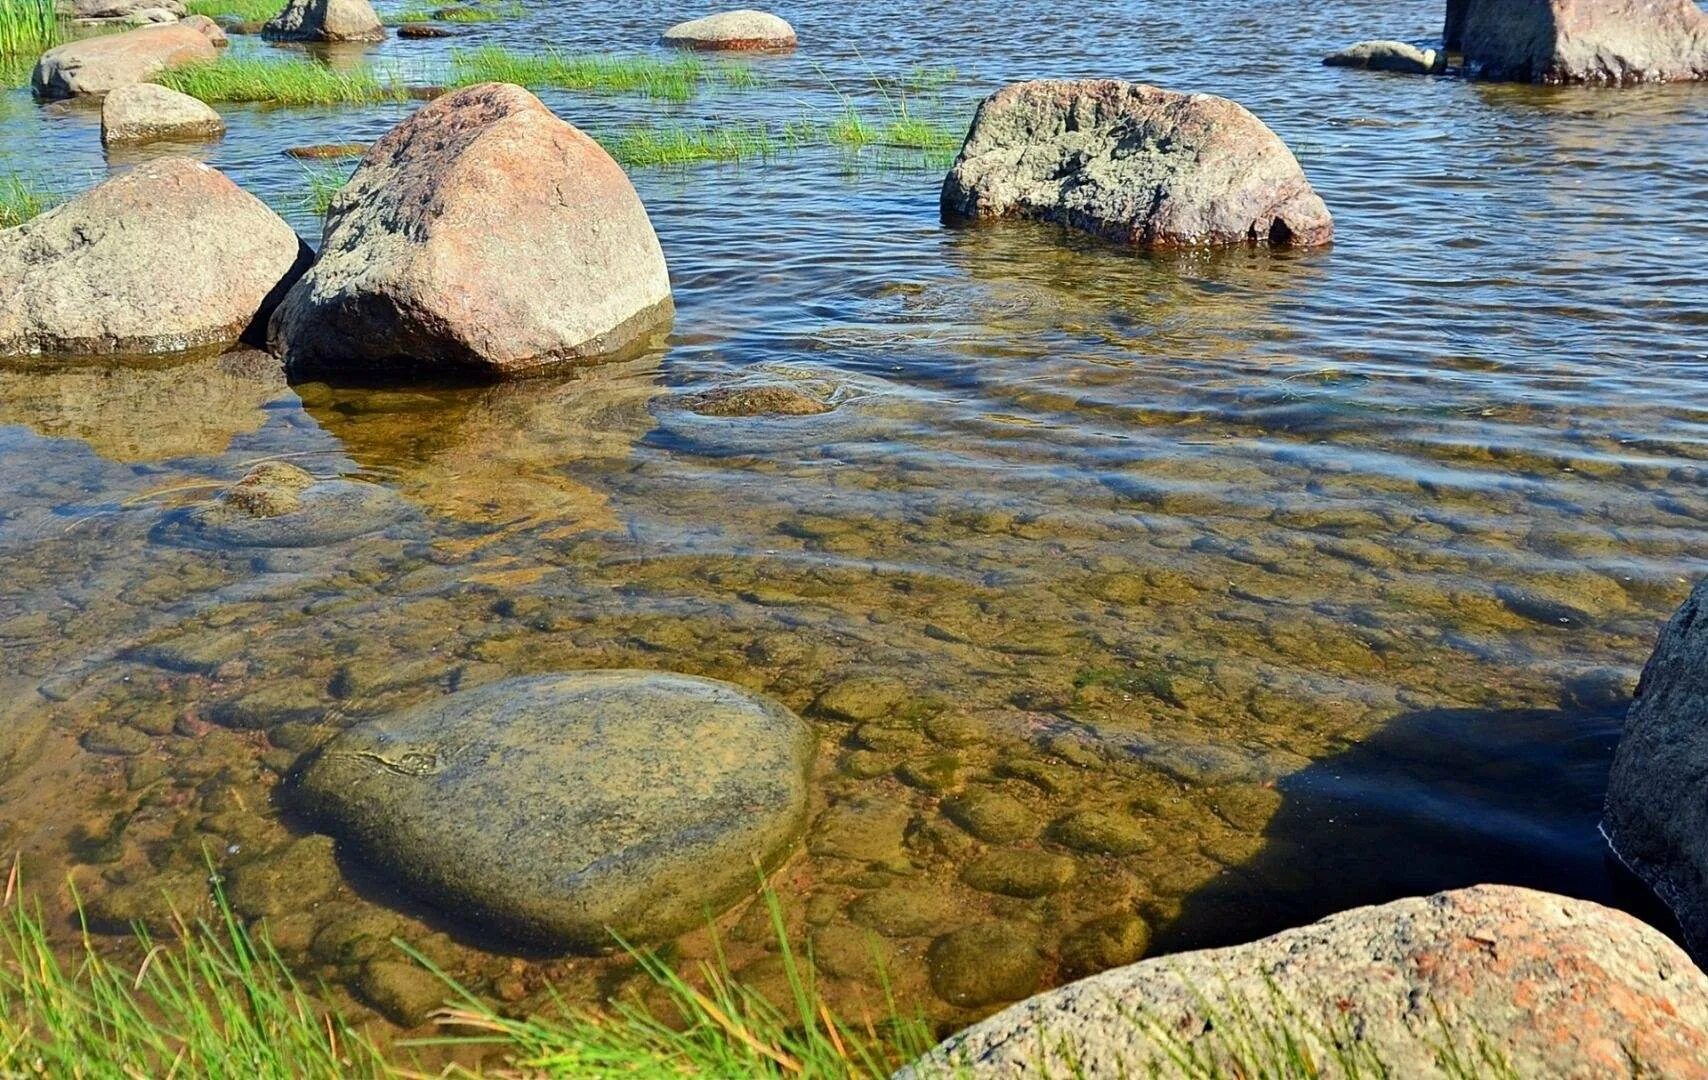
673	78
282	82
322	184
662	145
29	27
248	11
22	199
456	13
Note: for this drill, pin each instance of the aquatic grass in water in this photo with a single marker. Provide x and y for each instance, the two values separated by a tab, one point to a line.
22	199
653	146
249	11
322	185
29	28
674	78
282	82
454	14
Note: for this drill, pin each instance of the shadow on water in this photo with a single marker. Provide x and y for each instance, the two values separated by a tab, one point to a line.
1438	799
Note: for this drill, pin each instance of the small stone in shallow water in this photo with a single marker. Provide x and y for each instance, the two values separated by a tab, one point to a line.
421	31
404	992
772	399
991	816
906	911
1108	941
863	698
985	963
745	30
1024	874
326	151
1389	56
1101	832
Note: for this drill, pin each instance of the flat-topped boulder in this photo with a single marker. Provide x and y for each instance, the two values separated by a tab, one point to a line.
1555	986
745	30
481	237
325	20
128	10
169	257
1656	819
144	112
1398	56
1580	41
560	809
1135	164
99	64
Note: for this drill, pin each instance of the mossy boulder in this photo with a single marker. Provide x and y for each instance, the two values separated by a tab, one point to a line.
560	809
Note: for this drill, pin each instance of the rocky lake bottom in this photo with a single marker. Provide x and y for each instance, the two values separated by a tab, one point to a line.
1136	603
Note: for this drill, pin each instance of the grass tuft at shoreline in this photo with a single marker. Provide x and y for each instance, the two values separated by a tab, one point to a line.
670	78
22	199
29	28
282	82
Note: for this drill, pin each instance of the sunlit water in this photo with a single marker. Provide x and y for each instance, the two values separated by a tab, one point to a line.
1327	576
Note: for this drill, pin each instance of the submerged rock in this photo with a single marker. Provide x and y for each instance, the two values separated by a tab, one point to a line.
99	64
481	236
557	809
767	399
423	30
1559	987
1389	56
144	112
1657	793
1135	164
277	505
325	20
1580	41
169	257
732	31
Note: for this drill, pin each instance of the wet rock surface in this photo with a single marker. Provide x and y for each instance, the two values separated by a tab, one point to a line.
561	809
169	257
99	64
1581	41
278	505
1134	164
325	20
453	251
1562	987
1398	56
746	30
144	112
1657	805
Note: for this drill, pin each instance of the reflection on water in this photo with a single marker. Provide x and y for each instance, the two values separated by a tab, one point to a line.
1138	602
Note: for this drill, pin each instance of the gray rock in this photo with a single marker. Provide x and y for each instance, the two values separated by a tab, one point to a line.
1580	41
124	9
169	257
454	248
732	31
99	64
325	20
143	112
1656	819
1134	164
1558	987
559	809
1389	56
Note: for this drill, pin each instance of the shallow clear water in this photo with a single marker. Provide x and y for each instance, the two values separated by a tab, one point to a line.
1328	575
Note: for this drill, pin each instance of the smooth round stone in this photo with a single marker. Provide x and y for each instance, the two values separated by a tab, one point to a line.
563	809
985	963
745	30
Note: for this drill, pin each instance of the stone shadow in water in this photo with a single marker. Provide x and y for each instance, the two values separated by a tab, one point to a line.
1439	799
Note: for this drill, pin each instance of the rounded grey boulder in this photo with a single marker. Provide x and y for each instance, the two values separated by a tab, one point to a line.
1389	56
143	112
745	30
325	20
562	809
1656	820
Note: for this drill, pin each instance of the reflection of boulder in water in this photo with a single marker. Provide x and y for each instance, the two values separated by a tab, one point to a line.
278	505
512	454
146	412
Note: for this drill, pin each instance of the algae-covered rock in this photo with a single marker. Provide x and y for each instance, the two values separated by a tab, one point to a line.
985	963
1101	832
991	816
559	809
1024	874
279	505
156	902
404	993
293	878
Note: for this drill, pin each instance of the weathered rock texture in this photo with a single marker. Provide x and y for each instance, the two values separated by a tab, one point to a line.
1580	41
99	64
1389	56
482	235
1657	794
124	9
168	257
1560	987
732	31
325	20
559	808
143	112
1134	164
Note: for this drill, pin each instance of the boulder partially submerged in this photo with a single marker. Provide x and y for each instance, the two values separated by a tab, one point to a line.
1135	164
99	64
1555	986
169	257
1656	820
745	30
1396	56
482	236
558	809
138	11
325	20
144	112
1580	41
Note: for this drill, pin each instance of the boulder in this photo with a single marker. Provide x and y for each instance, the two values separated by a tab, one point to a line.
732	31
169	257
325	20
1656	820
143	112
1135	164
556	809
1554	986
1389	56
125	9
99	64
481	236
1580	41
